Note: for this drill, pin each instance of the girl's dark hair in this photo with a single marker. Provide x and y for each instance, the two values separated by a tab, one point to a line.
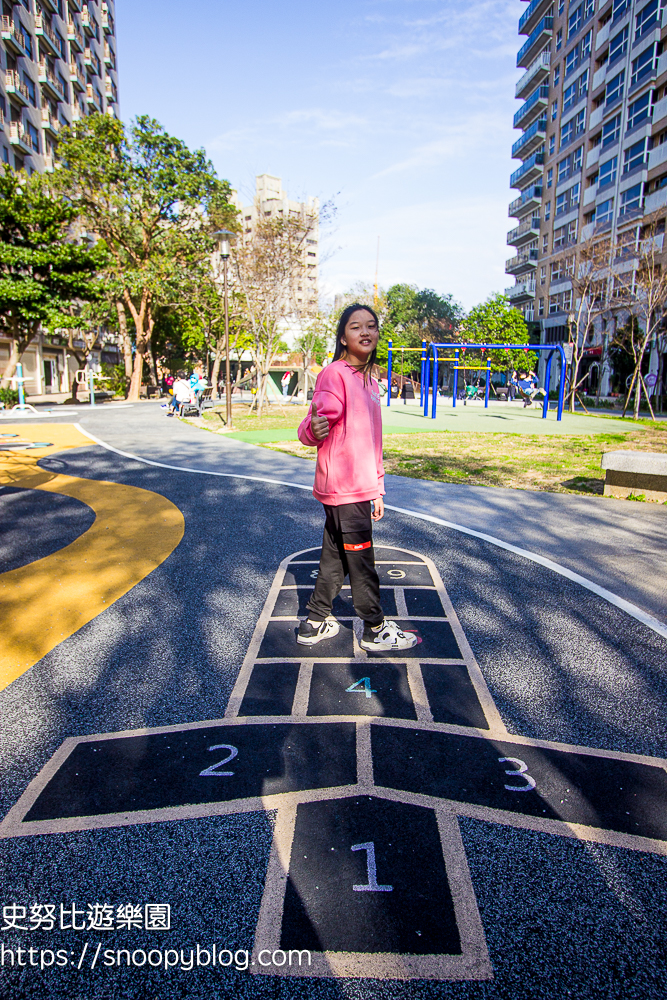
339	349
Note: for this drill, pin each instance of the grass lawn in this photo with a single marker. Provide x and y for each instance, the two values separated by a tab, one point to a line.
555	463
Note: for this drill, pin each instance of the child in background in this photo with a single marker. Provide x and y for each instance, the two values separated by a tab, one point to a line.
345	424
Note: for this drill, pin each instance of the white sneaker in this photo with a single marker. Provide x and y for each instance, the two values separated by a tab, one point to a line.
312	632
387	636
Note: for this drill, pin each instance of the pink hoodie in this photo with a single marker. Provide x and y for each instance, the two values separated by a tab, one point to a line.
349	461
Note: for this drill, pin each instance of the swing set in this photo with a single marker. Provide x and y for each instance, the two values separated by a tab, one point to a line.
430	370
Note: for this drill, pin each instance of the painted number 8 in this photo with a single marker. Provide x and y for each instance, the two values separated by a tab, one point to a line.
520	769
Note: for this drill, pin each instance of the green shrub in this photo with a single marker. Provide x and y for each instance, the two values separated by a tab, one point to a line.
118	381
9	397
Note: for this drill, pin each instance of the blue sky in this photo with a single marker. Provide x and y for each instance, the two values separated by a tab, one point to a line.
401	110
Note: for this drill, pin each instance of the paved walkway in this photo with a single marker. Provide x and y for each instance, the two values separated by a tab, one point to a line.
616	544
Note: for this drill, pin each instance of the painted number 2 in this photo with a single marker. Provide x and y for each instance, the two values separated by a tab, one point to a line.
372	885
212	770
520	769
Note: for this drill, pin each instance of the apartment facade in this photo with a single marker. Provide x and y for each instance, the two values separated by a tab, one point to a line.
57	65
593	147
271	201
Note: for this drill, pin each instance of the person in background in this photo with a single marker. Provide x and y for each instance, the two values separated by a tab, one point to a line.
529	387
285	381
183	393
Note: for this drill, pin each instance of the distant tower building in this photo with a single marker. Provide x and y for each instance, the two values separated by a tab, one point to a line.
57	65
271	201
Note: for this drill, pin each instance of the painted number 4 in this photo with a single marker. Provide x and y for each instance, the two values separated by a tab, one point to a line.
520	769
372	885
212	771
364	689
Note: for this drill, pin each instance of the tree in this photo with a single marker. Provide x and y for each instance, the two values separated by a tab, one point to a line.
45	274
267	268
152	200
313	344
588	267
495	321
641	291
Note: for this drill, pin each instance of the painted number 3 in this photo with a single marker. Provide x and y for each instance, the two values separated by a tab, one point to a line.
520	769
212	771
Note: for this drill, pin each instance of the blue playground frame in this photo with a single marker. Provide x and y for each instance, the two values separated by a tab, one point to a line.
429	371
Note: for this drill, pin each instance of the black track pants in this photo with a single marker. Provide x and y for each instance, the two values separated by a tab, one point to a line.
347	549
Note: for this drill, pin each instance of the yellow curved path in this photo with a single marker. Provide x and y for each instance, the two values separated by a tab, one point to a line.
45	602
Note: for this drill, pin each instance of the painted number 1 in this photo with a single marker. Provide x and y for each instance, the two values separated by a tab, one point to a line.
520	769
212	770
372	885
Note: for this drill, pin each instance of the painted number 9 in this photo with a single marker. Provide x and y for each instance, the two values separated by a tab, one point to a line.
396	574
211	771
520	769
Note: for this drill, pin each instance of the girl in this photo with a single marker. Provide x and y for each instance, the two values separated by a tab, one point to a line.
344	422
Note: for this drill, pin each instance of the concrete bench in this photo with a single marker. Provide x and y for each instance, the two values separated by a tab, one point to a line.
635	472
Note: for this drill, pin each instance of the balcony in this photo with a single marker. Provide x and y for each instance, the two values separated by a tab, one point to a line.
529	171
109	57
530	139
521	293
77	78
528	230
529	200
50	124
88	60
602	35
16	88
20	138
110	90
50	82
93	99
538	38
89	23
523	262
75	37
536	73
48	40
48	163
530	15
535	104
51	5
76	5
107	21
13	37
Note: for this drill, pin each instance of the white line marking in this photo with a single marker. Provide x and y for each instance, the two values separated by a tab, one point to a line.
618	602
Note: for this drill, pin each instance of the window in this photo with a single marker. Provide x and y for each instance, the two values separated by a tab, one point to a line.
569	96
604	211
559	237
586	45
557	271
614	90
639	110
554	110
571	60
561	204
631	199
543	275
607	172
634	156
577	159
550	177
620	7
575	21
611	131
5	155
545	243
552	145
559	39
563	170
572	231
580	122
574	194
540	307
567	133
32	93
28	42
642	66
547	211
557	75
589	7
561	7
646	18
34	135
562	302
582	85
619	45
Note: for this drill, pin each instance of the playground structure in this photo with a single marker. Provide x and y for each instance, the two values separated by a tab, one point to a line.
431	361
18	380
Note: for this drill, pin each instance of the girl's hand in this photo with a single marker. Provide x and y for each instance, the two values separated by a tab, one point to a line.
319	425
378	509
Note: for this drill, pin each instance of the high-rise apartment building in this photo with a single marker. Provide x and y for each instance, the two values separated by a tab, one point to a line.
272	202
593	147
57	65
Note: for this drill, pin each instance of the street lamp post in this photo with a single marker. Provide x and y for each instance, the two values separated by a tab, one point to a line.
224	237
